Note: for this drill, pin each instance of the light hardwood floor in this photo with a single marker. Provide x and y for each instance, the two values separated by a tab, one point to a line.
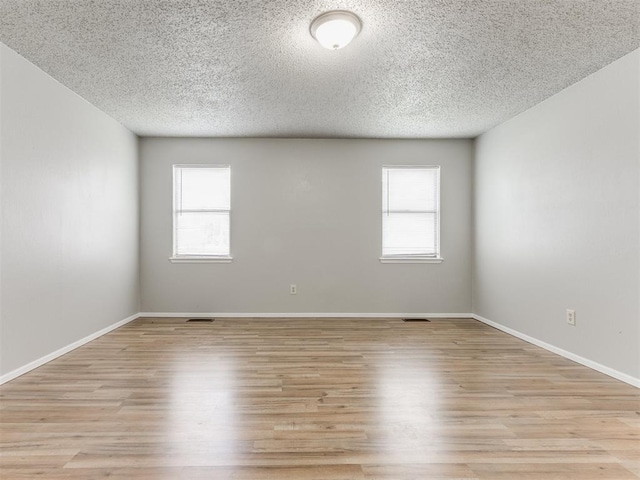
316	399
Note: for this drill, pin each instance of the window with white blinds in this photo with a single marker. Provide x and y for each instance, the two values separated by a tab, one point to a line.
202	211
411	212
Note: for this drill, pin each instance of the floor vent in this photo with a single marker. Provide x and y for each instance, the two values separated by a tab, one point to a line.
416	320
200	320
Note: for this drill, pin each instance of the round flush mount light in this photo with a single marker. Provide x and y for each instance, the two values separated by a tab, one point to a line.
335	29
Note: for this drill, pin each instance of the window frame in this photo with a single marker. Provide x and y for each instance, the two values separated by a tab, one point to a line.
414	258
187	258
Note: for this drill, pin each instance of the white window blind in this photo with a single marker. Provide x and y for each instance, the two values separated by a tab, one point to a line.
202	210
411	212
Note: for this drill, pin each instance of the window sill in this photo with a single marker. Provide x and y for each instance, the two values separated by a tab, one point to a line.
410	259
199	259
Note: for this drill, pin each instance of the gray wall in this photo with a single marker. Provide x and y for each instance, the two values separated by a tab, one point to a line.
556	222
69	247
557	219
306	212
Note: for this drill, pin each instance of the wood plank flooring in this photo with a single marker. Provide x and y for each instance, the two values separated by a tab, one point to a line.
316	399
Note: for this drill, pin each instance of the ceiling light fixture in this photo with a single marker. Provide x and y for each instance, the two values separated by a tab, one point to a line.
335	29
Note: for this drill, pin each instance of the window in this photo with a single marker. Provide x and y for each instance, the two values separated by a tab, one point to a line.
411	214
201	213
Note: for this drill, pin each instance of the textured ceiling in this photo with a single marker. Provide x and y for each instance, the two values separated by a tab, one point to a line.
421	68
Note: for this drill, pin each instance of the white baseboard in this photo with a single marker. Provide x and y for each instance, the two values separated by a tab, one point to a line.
301	315
623	377
539	343
58	353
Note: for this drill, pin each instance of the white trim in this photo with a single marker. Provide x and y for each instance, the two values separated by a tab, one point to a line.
623	377
300	315
409	259
175	258
58	353
200	259
203	165
437	211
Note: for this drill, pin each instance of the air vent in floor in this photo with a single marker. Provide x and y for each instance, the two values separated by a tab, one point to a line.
200	320
416	320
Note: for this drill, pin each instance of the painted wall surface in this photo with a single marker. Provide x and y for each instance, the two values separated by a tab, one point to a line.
69	216
305	212
557	219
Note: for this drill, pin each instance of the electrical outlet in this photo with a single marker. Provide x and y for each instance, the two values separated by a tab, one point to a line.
571	317
293	290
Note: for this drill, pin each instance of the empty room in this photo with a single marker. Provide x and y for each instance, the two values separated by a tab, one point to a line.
320	240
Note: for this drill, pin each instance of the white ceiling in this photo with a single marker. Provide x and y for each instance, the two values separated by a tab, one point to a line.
422	68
